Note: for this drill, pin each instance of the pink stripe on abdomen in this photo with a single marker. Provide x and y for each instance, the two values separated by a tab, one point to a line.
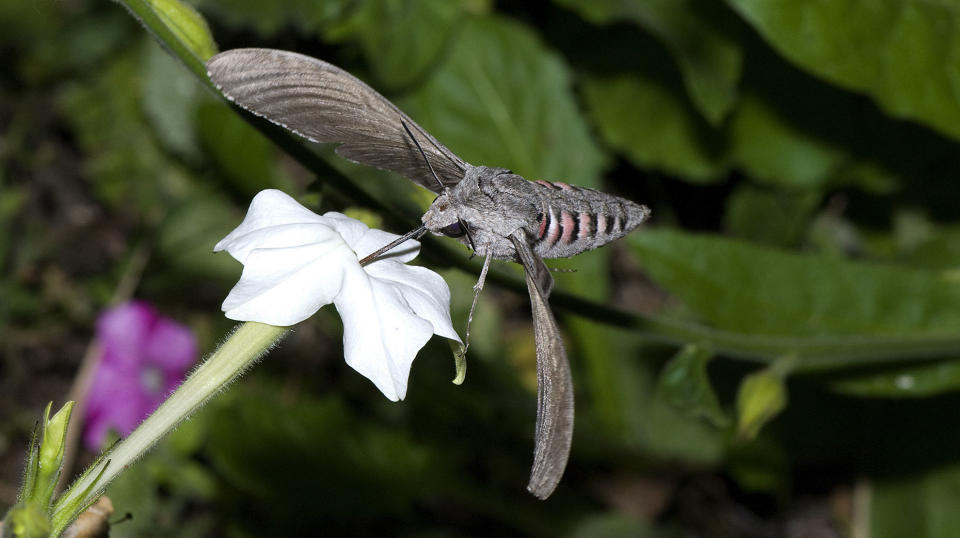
601	223
586	222
567	225
554	229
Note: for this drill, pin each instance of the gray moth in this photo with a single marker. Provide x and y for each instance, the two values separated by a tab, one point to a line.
497	213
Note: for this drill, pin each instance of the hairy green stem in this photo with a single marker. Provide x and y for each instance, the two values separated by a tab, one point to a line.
249	342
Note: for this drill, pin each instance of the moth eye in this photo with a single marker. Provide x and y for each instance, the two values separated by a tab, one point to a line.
452	230
442	206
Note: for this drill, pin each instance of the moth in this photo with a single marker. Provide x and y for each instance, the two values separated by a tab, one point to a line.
498	214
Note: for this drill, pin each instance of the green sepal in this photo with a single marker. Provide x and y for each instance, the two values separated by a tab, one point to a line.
685	385
27	521
459	361
50	453
30	467
761	396
31	516
65	514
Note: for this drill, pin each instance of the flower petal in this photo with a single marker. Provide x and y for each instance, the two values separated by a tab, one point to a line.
381	332
364	240
424	291
295	262
122	331
172	347
284	286
274	219
115	401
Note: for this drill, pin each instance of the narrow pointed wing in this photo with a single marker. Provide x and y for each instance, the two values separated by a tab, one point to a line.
533	264
554	431
324	103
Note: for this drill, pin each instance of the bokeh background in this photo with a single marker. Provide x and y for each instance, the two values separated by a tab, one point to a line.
774	355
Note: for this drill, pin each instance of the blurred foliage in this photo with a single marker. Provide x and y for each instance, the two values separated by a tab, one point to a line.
801	162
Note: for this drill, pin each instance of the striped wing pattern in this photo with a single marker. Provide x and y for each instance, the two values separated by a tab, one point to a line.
324	103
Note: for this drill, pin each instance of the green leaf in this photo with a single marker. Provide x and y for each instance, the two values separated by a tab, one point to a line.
756	290
641	115
761	397
247	157
654	128
82	45
101	126
613	525
770	148
937	249
401	39
759	465
685	385
186	237
766	216
899	52
919	505
502	98
622	398
268	18
170	95
709	60
900	381
672	434
315	449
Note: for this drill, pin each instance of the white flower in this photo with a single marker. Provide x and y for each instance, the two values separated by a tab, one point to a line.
295	261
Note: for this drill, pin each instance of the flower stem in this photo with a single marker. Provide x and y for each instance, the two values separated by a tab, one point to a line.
242	349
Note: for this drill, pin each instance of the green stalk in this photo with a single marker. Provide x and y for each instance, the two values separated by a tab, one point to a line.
242	349
179	29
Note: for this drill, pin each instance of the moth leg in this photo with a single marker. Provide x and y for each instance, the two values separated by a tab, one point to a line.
466	230
476	296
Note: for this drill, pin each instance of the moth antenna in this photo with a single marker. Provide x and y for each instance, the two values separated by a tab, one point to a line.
423	153
415	232
476	296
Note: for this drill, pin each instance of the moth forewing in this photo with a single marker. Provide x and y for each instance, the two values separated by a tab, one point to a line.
324	103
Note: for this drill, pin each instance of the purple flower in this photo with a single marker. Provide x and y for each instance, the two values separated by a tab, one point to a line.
143	357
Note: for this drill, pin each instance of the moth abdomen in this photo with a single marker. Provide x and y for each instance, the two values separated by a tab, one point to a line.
575	219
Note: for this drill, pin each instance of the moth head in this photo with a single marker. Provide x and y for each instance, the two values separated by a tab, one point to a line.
444	218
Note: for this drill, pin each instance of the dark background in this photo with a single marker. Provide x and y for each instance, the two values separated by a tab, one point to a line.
800	161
